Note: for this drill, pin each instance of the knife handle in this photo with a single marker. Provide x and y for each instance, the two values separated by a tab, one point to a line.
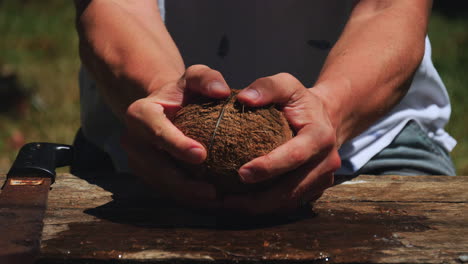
40	159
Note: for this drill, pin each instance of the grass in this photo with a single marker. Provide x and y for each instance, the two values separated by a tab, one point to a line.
38	44
449	37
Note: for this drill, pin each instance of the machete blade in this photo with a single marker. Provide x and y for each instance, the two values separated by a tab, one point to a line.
23	200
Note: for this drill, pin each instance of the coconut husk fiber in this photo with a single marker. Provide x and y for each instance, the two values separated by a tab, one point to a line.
233	134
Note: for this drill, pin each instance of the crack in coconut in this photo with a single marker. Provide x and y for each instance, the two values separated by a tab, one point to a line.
221	115
233	134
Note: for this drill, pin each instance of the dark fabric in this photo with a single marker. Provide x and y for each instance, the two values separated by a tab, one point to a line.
88	157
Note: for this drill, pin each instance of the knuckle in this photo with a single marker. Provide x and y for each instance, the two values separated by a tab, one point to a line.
143	106
134	109
286	76
208	77
198	77
139	110
214	74
262	82
159	109
290	82
195	70
158	133
294	86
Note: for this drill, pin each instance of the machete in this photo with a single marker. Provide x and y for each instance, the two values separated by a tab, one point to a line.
23	199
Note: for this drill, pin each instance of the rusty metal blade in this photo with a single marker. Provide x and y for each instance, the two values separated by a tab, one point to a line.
23	202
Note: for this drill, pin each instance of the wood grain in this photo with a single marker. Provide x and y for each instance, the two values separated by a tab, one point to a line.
369	219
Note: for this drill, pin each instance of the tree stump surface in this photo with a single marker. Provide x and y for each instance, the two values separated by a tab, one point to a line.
368	219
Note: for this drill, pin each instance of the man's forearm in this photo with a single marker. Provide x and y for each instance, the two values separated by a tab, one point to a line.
127	49
370	68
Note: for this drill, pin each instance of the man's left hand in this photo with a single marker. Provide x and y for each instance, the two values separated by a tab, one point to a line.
305	163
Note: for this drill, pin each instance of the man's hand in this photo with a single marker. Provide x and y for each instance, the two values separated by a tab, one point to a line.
137	67
305	163
154	144
375	57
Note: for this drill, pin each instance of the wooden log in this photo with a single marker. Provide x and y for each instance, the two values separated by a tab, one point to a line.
369	219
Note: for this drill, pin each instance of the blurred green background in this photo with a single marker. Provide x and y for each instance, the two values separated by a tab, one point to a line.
39	63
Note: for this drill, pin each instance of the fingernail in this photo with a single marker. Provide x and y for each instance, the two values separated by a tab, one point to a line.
246	175
195	155
250	93
217	87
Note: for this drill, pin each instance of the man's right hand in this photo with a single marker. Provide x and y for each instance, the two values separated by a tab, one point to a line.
137	67
151	136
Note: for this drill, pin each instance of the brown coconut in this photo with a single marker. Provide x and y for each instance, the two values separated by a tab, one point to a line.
233	134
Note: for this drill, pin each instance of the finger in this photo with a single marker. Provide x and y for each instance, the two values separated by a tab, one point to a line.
310	142
294	191
147	119
159	171
278	200
281	88
313	184
206	81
